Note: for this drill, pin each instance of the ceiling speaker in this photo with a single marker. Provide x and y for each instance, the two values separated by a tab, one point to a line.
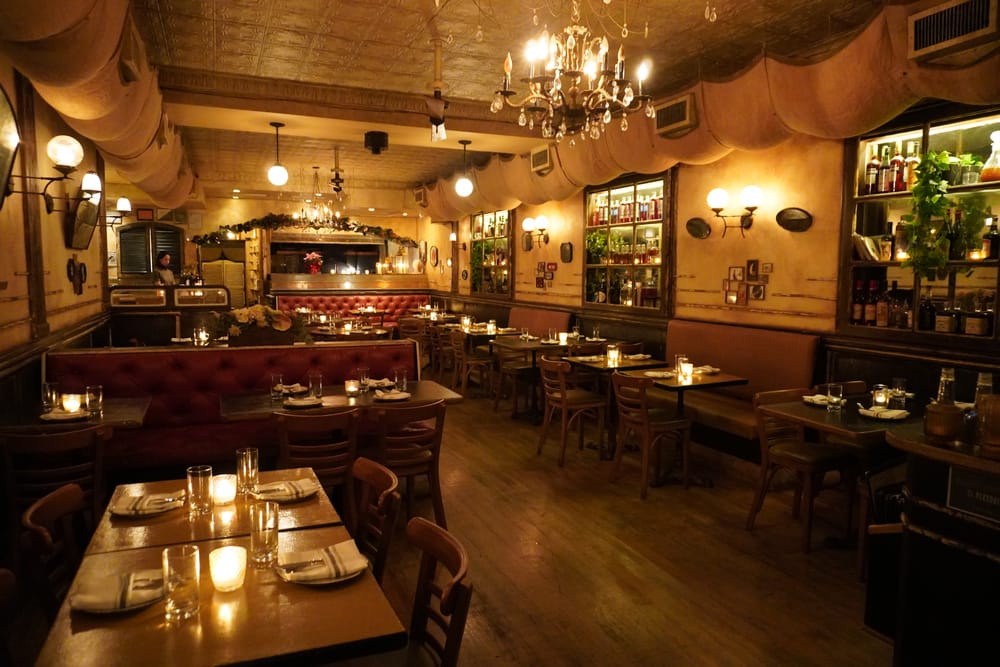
376	141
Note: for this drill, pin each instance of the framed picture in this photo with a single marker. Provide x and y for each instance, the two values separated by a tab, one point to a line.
550	275
465	274
735	274
566	252
753	269
757	292
112	258
766	267
540	268
145	215
551	266
731	298
434	255
540	282
741	295
422	252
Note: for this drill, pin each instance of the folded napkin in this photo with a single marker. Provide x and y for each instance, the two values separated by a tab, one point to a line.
705	370
660	374
592	357
329	563
153	503
638	357
531	338
815	399
882	413
104	594
384	382
594	340
390	394
286	491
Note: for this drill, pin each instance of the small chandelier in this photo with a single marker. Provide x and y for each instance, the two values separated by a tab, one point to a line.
571	89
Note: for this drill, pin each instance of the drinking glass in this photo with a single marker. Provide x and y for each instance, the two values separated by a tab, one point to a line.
576	331
524	333
596	333
399	377
199	479
181	578
263	534
946	386
984	385
834	397
363	378
94	395
552	334
277	387
678	360
247	460
50	396
315	384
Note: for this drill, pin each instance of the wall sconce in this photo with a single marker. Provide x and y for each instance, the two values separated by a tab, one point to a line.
453	238
534	228
124	207
749	199
66	154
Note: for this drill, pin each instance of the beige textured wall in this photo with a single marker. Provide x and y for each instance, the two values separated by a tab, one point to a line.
565	223
14	328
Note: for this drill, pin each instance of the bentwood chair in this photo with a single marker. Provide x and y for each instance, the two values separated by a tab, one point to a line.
409	444
441	603
572	404
37	464
652	425
443	358
416	329
376	503
327	443
52	544
515	367
783	445
468	362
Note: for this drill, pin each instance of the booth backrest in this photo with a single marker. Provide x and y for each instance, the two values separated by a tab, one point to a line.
394	305
185	384
769	359
538	321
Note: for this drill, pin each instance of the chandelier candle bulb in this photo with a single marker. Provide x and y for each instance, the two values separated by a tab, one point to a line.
223	489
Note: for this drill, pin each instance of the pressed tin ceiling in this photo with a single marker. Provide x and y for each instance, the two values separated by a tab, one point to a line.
333	68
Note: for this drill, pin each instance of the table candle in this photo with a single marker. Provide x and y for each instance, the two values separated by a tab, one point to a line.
348	326
880	395
72	402
434	316
352	387
223	489
228	566
322	319
687	370
614	354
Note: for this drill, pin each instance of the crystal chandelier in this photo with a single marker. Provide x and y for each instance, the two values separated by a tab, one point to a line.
571	89
316	214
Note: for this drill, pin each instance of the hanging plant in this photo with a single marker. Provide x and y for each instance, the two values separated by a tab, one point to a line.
274	221
926	226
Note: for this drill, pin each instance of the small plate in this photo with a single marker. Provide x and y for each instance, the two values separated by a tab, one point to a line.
310	402
324	582
549	342
395	396
63	416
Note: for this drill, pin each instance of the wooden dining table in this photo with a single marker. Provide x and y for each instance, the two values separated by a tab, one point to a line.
697	382
125	412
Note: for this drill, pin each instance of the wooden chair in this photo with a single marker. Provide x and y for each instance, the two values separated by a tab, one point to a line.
443	357
783	445
52	544
468	362
585	377
409	444
651	425
376	503
630	348
37	464
416	329
573	405
441	604
327	443
516	367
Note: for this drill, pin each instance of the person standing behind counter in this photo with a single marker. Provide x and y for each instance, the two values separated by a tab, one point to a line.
162	271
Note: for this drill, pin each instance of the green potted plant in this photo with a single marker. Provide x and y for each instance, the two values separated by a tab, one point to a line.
597	247
926	230
971	166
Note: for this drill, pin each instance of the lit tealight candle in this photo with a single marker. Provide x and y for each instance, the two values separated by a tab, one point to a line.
223	489
352	387
975	255
228	566
72	402
880	395
687	370
348	326
322	319
614	354
434	316
563	337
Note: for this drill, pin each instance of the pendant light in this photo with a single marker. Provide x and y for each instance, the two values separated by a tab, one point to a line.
277	174
463	186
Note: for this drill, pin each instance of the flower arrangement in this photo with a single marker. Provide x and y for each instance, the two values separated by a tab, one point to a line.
240	320
312	258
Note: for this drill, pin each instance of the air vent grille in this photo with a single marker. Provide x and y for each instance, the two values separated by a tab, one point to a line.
952	26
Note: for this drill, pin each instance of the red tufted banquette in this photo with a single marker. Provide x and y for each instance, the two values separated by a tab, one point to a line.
394	305
183	425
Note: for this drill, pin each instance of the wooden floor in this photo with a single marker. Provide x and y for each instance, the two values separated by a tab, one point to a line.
570	569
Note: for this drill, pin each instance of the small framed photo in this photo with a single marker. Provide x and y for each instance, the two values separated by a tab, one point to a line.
741	295
551	266
757	292
548	283
725	284
540	282
731	298
753	269
766	267
763	279
145	214
540	267
550	275
112	258
735	274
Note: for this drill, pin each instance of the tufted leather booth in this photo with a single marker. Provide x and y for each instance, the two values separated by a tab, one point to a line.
394	305
184	425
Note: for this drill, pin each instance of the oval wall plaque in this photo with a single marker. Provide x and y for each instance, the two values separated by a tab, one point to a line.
794	219
698	228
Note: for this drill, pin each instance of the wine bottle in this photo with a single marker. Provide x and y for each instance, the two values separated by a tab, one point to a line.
882	309
991	241
885	178
927	313
887	244
858	303
871	303
912	160
897	170
871	173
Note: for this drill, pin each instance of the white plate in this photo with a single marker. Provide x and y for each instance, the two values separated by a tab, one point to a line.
63	416
310	402
324	582
394	396
596	340
549	342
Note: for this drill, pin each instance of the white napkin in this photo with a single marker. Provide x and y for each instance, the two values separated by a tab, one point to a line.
637	357
390	394
594	340
384	382
882	413
286	491
120	591
660	374
153	503
333	562
815	399
705	370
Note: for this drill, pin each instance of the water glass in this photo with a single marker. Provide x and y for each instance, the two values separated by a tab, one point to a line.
181	579
834	397
50	396
364	375
277	387
552	334
897	395
678	360
984	385
596	333
576	331
263	534
199	479
247	462
399	377
524	333
94	396
315	384
946	386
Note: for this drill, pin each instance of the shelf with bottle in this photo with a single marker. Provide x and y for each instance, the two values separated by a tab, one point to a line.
490	253
623	286
635	203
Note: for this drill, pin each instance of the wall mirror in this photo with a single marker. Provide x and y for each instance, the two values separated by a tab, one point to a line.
9	141
698	228
82	222
794	219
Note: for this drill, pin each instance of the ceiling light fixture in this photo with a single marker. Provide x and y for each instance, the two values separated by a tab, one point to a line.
277	174
463	186
571	89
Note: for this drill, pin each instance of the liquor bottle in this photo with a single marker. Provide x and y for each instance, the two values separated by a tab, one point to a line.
946	387
991	240
897	169
871	173
885	178
911	161
991	168
946	319
858	303
882	309
887	244
871	303
974	323
927	313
